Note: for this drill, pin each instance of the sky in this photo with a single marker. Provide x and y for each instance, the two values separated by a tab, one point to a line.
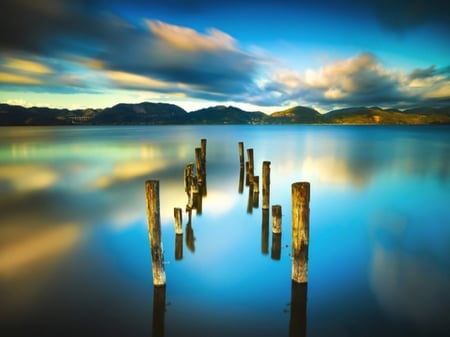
254	54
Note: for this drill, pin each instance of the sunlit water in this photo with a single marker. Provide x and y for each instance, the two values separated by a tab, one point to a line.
74	246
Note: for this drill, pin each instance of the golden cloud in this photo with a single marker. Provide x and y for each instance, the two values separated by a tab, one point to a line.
188	39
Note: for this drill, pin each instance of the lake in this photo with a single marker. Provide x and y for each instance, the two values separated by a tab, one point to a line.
74	246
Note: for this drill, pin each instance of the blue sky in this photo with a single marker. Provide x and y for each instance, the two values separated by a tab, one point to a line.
257	55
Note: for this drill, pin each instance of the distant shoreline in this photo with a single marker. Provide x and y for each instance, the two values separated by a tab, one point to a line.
169	114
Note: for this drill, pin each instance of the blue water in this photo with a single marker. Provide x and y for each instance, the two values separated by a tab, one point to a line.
74	246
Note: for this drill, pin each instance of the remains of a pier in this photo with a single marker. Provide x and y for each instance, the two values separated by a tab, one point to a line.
154	231
300	231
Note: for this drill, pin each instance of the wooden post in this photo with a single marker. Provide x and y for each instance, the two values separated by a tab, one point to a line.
199	164
251	165
188	178
300	231
203	164
247	180
266	185
154	230
256	191
203	151
194	192
276	219
178	220
241	153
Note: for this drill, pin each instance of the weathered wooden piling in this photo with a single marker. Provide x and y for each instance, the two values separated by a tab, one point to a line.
256	184
188	178
276	219
266	185
247	180
199	164
251	165
256	192
177	214
154	230
300	231
241	153
203	152
195	195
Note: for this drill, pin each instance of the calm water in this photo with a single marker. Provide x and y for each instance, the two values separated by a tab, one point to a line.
74	247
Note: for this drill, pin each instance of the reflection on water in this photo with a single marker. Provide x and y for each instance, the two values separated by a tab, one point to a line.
74	244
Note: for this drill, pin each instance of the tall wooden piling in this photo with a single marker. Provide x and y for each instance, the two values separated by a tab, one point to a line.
154	230
203	152
199	164
266	185
241	153
276	219
188	178
251	165
300	231
177	214
256	192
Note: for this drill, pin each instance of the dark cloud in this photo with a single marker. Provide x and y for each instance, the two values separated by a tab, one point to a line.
401	15
83	28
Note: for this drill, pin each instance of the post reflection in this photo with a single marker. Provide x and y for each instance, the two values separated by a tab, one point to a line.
250	199
241	180
190	239
159	311
276	246
297	320
179	247
265	232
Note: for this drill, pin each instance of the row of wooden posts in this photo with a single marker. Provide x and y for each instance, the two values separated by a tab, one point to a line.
195	187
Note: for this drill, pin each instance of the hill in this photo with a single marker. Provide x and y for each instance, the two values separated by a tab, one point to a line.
296	115
226	115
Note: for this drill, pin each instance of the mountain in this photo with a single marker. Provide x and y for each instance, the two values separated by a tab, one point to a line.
163	114
142	113
296	115
221	114
375	115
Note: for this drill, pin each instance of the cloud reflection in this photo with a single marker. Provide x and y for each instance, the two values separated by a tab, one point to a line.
17	255
407	284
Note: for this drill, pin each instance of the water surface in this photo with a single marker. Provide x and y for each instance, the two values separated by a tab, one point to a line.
74	247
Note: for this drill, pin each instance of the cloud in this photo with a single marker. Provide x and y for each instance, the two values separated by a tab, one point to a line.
81	46
189	40
11	78
402	15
